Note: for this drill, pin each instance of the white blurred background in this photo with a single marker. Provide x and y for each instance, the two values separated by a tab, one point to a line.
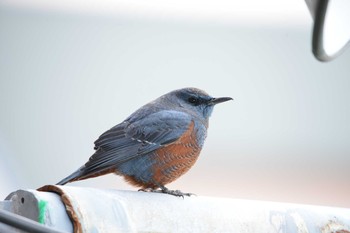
69	70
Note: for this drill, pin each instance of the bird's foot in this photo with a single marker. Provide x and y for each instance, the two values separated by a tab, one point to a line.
176	193
165	190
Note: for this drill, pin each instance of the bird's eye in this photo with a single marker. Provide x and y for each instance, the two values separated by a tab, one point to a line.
193	100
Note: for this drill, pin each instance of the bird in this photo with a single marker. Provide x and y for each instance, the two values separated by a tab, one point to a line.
156	144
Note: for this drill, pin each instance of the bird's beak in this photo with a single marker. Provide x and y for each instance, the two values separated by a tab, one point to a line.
214	101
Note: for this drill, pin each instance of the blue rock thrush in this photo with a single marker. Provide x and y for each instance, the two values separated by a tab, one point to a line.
156	144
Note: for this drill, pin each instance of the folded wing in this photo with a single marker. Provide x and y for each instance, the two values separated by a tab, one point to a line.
129	140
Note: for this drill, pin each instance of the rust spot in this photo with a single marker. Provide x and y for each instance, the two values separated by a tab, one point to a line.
334	226
69	207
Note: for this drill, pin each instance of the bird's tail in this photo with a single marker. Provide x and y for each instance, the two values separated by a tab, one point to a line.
72	177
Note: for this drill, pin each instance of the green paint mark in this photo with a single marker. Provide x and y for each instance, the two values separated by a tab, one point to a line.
42	209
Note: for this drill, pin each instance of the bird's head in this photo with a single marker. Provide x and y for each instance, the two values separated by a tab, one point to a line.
195	100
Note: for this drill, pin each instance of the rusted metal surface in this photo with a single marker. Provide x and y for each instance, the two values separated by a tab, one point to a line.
96	210
335	226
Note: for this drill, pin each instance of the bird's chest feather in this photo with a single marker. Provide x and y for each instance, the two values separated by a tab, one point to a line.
177	158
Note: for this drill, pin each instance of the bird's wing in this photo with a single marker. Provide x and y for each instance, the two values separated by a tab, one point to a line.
129	140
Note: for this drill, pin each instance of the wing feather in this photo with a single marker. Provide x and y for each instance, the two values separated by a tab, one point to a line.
129	140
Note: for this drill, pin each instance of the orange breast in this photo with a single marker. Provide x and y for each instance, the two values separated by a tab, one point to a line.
177	158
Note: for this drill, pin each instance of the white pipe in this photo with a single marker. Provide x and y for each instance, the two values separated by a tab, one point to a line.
96	210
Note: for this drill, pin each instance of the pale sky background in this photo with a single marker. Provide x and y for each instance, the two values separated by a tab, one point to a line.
68	72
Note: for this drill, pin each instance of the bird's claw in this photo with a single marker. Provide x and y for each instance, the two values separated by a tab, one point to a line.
176	193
